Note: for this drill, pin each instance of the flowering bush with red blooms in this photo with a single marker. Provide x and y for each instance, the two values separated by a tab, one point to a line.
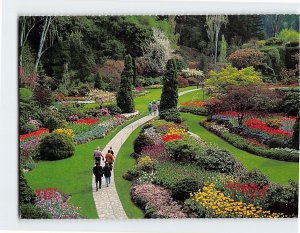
139	88
34	134
246	192
87	121
193	103
261	126
54	202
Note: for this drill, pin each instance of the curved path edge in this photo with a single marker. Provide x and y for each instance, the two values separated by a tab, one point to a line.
107	201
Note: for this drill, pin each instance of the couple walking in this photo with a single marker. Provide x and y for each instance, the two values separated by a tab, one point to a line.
153	107
99	171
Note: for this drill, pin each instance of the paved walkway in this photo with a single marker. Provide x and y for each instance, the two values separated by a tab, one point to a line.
107	201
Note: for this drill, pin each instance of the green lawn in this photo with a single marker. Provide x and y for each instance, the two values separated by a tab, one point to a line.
73	175
122	164
195	95
277	171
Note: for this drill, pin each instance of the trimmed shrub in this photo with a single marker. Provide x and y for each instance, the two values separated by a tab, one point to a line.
29	211
141	141
194	110
255	176
113	109
26	194
56	146
217	160
170	115
53	122
181	151
283	199
183	188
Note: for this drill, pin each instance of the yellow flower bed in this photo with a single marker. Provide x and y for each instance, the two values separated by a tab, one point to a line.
219	205
68	132
176	131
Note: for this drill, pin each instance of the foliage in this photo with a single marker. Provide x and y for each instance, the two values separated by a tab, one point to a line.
244	58
124	97
183	188
223	50
295	139
290	103
99	84
171	114
26	194
141	141
181	151
56	146
232	76
156	201
193	110
146	163
100	96
283	198
29	211
42	95
255	176
25	95
169	96
113	109
288	35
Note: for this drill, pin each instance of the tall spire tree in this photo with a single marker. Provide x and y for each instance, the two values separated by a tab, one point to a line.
124	97
169	96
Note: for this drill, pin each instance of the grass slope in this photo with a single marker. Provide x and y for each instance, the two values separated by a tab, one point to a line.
277	171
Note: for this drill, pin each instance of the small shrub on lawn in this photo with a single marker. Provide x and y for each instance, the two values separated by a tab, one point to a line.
56	146
193	110
171	115
141	141
183	188
181	151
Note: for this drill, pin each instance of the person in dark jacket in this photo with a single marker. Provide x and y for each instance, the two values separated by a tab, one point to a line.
111	151
107	173
98	173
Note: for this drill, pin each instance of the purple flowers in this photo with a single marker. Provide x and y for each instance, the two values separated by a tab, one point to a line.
157	151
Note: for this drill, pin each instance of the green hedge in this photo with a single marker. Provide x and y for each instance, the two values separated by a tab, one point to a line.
243	144
193	110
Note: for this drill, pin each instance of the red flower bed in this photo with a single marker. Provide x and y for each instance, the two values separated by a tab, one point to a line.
87	121
139	88
34	134
260	125
170	137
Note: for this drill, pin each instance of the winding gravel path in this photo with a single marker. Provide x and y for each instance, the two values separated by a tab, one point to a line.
106	199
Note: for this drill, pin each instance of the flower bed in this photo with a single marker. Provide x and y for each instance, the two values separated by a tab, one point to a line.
211	203
34	134
194	107
87	121
283	154
194	103
156	201
55	204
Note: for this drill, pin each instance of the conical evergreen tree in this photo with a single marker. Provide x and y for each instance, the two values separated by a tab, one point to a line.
169	96
124	97
99	82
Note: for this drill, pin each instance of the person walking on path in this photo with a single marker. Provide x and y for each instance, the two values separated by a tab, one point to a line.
154	108
98	173
150	108
107	173
158	104
111	151
98	155
109	158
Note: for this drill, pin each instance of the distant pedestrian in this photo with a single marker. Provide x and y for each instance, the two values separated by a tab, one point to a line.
111	151
98	173
150	108
98	155
158	104
154	108
107	173
109	158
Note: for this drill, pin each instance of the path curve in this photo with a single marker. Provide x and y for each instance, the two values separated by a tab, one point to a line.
107	202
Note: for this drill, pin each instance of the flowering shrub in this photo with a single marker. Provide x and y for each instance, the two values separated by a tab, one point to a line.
88	121
146	177
146	163
156	201
55	203
37	123
73	118
100	96
210	202
34	134
157	151
68	132
104	112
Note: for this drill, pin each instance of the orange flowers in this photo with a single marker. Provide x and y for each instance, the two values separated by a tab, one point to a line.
194	103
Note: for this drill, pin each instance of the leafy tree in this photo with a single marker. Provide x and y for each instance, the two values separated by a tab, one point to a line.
232	76
214	24
295	140
99	84
223	50
124	97
288	35
169	96
243	58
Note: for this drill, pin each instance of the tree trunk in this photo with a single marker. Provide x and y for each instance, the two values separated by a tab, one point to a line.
216	45
42	41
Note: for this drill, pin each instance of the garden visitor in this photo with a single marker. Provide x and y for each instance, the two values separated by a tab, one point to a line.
98	173
111	151
154	108
107	173
98	155
109	158
158	103
150	108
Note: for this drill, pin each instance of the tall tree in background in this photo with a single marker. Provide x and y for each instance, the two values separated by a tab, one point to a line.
99	84
214	24
169	96
223	50
124	97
